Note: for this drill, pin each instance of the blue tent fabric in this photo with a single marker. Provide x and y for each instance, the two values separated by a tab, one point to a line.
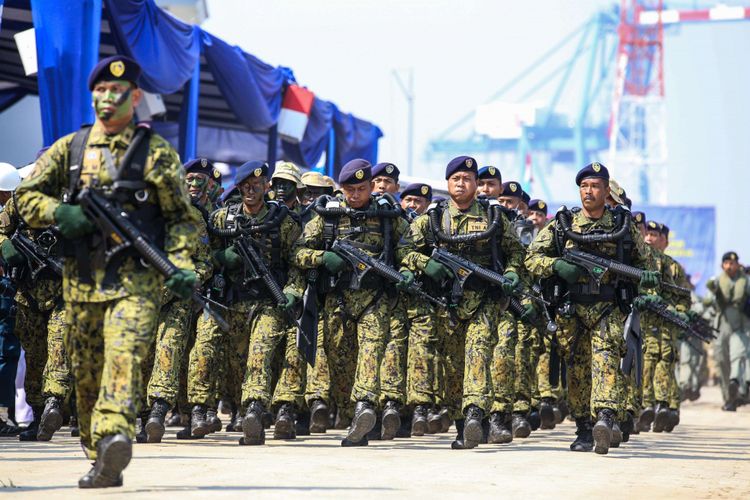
67	44
252	88
315	140
10	96
355	138
166	48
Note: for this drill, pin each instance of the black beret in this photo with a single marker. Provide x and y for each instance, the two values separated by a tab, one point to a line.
385	170
200	166
538	206
438	199
253	168
639	217
490	173
526	197
418	189
595	169
512	189
654	226
664	229
115	68
355	171
730	256
461	164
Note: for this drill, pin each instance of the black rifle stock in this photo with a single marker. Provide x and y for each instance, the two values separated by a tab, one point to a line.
115	226
37	258
256	268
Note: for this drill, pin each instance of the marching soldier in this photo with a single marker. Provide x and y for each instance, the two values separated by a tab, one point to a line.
112	306
465	336
591	319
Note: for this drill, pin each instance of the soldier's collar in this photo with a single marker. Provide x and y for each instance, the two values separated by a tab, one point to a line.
475	210
98	136
261	213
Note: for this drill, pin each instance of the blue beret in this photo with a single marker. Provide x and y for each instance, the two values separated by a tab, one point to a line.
490	173
202	166
526	197
654	226
730	256
355	171
115	68
664	229
385	170
538	206
251	169
596	170
418	189
461	164
639	217
438	199
512	189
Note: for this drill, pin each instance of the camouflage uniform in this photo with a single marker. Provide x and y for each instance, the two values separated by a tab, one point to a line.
467	334
112	325
505	363
356	322
40	326
393	366
593	333
174	327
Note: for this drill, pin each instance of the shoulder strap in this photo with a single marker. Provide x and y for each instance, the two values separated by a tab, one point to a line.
134	159
75	157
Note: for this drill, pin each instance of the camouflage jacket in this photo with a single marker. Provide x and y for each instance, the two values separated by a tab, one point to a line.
39	195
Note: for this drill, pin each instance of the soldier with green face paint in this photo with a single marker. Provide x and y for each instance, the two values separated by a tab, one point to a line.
112	304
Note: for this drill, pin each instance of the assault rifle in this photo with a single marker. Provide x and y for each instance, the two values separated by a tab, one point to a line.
362	263
256	269
597	267
462	269
117	227
37	253
698	328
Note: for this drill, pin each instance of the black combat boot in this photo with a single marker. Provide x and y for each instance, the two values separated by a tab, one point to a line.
662	416
375	433
362	423
584	437
199	427
534	419
404	429
141	436
473	432
284	425
673	420
30	433
213	420
646	418
500	431
547	413
174	419
445	420
616	435
113	454
155	427
391	420
302	424
559	417
434	422
74	430
627	426
603	431
562	405
521	427
318	417
267	419
342	420
252	425
51	420
419	421
458	443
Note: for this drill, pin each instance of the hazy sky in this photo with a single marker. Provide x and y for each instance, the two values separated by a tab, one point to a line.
461	52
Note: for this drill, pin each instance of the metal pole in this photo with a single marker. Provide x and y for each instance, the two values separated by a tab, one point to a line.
189	116
408	92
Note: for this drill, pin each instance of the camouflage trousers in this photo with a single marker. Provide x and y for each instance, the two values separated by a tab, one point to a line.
270	330
107	342
393	366
425	364
173	333
549	352
467	347
659	356
350	349
207	363
505	363
41	334
593	339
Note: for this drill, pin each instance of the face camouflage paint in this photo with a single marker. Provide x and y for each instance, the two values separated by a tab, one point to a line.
109	104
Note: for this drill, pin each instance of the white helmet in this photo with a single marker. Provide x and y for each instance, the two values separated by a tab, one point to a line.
9	177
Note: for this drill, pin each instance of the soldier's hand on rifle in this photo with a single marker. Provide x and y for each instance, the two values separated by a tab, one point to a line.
683	316
333	262
182	283
693	315
436	271
511	284
408	280
642	301
567	271
649	279
228	258
11	255
72	221
291	301
529	313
